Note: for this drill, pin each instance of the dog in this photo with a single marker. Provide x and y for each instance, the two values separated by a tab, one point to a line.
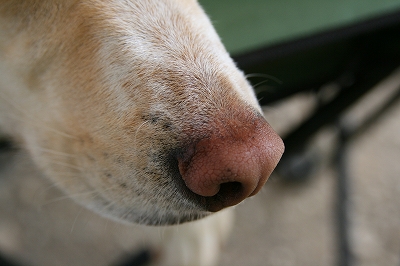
136	110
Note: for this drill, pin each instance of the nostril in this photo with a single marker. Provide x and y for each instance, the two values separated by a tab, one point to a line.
230	191
229	194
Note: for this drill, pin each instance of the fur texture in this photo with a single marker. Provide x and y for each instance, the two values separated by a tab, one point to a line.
109	96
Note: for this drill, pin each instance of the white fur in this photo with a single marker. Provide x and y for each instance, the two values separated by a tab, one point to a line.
100	91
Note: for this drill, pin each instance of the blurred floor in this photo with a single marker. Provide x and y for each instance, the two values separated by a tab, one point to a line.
283	225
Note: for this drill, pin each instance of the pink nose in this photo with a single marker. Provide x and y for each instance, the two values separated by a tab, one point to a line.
233	163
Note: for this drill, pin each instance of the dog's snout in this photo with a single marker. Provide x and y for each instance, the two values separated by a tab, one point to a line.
232	163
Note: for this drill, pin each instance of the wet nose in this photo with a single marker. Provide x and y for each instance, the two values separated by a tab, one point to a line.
232	163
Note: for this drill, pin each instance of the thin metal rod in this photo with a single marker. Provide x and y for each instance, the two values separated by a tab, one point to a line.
345	256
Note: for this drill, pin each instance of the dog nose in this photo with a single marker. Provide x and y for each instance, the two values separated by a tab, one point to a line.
232	163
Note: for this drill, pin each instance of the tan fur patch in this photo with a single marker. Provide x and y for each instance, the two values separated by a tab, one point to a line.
106	94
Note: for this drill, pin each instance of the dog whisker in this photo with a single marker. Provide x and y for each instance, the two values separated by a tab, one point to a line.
67	197
67	165
77	195
260	83
266	76
136	133
31	119
59	153
75	220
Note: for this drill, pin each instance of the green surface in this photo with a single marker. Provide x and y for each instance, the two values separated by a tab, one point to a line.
248	24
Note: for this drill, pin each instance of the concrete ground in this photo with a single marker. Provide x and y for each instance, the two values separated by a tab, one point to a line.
283	225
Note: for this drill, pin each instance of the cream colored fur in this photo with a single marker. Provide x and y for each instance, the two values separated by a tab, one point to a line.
97	91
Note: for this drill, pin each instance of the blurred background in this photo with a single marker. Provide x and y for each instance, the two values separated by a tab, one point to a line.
327	74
